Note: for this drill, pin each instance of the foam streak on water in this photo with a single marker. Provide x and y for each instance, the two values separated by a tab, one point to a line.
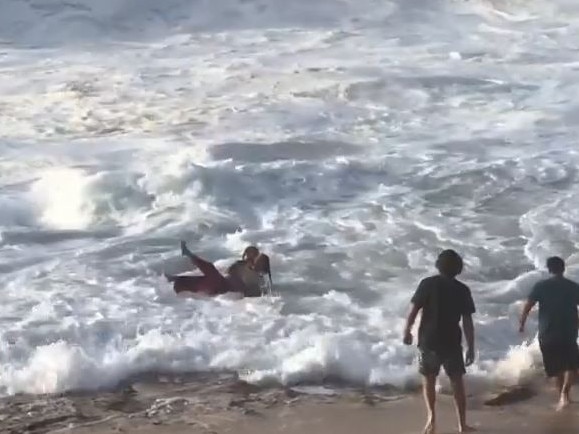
350	139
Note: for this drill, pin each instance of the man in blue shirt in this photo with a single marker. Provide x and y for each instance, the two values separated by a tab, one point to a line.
558	298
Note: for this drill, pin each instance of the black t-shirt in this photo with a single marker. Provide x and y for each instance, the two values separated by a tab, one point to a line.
443	302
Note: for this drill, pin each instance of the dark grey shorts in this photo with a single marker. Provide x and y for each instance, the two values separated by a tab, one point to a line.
559	357
452	361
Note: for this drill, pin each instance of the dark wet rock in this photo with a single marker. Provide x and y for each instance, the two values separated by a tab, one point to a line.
369	400
241	387
510	396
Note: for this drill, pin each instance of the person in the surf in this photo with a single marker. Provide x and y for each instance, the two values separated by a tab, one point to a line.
444	302
258	272
558	298
212	282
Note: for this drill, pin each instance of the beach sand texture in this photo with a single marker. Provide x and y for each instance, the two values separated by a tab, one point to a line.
222	404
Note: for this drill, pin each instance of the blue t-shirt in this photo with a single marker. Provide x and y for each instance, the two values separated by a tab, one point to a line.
558	298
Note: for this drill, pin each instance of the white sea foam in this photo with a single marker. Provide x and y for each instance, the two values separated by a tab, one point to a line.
351	140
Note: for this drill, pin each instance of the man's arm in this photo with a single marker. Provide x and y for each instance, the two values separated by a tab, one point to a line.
262	265
533	299
268	269
468	309
417	302
407	339
524	315
468	329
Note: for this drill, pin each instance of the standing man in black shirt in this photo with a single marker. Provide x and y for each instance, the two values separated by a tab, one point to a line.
444	301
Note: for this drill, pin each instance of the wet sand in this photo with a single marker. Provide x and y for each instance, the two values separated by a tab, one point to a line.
221	404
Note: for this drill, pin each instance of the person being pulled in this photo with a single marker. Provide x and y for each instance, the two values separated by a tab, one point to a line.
212	282
257	272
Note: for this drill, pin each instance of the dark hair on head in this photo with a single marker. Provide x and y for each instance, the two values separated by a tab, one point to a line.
449	263
555	265
248	250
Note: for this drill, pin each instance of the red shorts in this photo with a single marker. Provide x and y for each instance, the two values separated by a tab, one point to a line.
211	283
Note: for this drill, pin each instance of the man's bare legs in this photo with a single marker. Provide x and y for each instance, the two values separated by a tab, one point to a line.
559	382
564	383
460	402
429	392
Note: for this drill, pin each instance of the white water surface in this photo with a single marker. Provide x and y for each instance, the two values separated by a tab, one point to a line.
351	140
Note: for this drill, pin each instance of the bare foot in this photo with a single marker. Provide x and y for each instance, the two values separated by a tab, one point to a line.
429	428
563	404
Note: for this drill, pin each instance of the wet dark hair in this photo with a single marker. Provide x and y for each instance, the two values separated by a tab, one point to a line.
249	249
555	265
449	263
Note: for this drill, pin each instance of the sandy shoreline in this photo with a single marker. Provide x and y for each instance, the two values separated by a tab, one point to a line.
222	404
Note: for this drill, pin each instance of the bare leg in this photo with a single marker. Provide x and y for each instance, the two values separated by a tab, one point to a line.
559	382
570	377
184	250
566	381
429	392
460	402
